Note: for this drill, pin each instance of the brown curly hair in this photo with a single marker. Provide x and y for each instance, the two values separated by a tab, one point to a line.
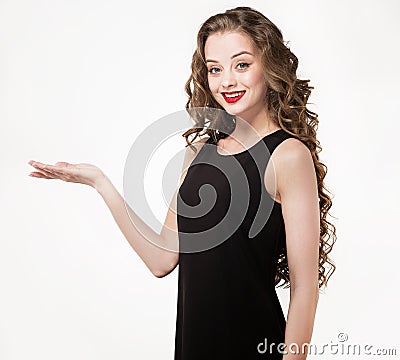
286	100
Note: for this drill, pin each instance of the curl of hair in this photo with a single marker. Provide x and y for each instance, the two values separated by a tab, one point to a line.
286	100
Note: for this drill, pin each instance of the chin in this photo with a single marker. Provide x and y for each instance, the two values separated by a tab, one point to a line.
234	112
231	109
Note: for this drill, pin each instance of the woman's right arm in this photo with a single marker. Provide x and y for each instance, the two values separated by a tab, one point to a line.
160	252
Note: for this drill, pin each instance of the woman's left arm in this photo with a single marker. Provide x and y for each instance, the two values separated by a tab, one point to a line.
298	191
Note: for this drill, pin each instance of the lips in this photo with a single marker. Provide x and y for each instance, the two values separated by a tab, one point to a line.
233	96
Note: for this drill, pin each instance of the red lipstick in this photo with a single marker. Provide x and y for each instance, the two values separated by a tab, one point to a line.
235	96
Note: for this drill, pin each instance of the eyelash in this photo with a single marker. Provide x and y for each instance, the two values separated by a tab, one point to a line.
242	63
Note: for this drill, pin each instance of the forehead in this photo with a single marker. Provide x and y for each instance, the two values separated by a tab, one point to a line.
220	45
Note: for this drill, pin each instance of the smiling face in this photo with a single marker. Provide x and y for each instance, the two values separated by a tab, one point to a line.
235	74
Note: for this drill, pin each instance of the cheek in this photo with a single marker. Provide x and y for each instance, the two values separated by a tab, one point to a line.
252	80
213	84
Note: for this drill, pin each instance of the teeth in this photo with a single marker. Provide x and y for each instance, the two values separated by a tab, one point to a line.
234	95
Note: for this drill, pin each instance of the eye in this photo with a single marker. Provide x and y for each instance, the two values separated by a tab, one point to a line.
211	70
243	63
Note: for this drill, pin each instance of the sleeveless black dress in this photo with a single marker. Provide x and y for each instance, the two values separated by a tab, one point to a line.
230	235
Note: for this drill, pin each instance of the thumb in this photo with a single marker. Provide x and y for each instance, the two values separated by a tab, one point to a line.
62	163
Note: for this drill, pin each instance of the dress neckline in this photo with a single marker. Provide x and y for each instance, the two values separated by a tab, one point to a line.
246	150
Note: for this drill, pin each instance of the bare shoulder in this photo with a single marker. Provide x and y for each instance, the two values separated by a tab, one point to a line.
293	162
291	150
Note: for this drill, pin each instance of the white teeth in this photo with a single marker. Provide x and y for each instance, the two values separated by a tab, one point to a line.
234	95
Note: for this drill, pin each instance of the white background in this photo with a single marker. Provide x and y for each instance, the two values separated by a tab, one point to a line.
80	80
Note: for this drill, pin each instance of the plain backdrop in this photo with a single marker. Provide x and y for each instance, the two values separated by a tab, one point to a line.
80	80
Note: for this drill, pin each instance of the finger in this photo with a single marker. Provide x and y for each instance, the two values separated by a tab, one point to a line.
55	171
47	173
39	175
46	170
52	169
35	163
41	165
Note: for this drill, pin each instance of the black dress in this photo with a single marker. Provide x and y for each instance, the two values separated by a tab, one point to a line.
230	235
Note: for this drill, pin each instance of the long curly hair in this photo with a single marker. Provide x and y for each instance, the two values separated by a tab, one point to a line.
286	101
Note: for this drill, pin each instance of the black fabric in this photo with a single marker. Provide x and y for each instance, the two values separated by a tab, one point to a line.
227	303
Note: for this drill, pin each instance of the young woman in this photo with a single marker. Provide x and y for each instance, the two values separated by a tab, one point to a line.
227	303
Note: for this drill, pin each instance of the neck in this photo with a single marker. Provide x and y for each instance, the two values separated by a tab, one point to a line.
250	126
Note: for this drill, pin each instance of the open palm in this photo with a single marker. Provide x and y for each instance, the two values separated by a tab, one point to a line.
82	173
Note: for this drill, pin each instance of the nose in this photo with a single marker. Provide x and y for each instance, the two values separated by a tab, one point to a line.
228	79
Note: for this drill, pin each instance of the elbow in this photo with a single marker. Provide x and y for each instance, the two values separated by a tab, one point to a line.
159	273
166	265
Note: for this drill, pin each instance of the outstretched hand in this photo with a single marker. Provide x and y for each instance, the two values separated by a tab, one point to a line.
78	173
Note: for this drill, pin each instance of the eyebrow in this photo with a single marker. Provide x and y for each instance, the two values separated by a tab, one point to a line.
241	53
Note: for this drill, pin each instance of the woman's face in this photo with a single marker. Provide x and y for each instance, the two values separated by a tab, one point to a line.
235	73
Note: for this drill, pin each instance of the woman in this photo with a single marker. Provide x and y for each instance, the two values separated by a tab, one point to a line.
227	304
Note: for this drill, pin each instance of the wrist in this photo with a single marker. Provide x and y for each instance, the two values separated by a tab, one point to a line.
101	183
